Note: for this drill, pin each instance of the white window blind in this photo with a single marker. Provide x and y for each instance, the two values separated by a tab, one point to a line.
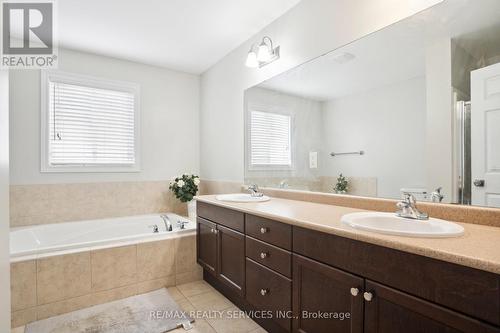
270	139
90	126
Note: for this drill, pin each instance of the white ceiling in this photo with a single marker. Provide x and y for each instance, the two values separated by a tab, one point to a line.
186	35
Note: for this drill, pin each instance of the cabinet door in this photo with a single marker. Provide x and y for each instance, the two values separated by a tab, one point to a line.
392	311
206	245
231	258
323	301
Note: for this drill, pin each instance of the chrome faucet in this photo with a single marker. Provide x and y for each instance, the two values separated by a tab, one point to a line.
407	208
155	228
254	191
166	220
283	184
437	196
181	224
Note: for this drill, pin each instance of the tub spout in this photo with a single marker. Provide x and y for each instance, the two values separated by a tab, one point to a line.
166	220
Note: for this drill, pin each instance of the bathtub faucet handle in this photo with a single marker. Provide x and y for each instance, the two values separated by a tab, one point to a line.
155	228
182	224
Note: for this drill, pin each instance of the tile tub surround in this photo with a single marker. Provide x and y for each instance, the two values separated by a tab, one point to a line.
50	286
53	203
477	248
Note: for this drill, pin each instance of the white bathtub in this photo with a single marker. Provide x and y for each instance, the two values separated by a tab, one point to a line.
53	238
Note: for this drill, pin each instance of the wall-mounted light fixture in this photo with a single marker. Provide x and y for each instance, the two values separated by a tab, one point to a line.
262	55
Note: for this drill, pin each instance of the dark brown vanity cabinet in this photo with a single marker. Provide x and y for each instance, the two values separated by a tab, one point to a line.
220	248
206	242
320	282
393	311
321	294
231	258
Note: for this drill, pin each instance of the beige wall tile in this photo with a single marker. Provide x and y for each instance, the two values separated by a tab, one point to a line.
156	259
114	294
68	305
114	267
23	285
28	200
147	286
23	317
62	277
52	203
185	254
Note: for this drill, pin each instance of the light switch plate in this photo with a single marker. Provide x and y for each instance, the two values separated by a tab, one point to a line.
313	159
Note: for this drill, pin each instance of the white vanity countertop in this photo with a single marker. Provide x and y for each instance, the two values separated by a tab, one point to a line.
479	247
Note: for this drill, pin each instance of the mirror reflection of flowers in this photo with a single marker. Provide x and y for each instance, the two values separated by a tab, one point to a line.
342	185
185	187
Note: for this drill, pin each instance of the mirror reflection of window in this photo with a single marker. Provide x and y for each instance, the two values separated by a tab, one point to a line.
270	140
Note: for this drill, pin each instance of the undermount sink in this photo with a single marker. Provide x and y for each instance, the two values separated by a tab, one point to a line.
241	197
389	223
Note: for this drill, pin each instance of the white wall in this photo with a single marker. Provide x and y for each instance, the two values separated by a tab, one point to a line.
306	132
4	204
389	124
308	30
439	136
169	120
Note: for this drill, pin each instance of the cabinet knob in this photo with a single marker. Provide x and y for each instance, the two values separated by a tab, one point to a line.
354	291
212	230
263	255
263	230
368	296
264	292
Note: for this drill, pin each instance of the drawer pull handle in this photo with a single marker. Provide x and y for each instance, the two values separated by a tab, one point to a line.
354	291
368	296
263	230
263	255
264	292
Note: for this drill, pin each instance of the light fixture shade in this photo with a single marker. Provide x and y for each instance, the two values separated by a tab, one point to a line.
264	53
252	61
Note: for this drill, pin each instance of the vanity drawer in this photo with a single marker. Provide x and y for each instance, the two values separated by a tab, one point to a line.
269	255
276	233
269	291
227	217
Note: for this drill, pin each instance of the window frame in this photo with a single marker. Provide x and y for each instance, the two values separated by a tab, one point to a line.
248	149
95	82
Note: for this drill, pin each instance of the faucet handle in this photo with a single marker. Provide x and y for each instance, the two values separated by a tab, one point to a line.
253	187
181	224
409	198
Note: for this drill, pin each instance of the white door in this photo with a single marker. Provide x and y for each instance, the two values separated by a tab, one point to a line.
485	136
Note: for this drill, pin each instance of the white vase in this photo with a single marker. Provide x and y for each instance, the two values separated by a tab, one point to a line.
192	209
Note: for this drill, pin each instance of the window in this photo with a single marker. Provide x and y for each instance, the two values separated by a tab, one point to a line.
89	124
270	140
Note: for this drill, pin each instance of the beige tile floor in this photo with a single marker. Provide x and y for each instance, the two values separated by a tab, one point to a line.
200	296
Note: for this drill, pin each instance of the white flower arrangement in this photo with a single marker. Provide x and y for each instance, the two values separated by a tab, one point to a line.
185	187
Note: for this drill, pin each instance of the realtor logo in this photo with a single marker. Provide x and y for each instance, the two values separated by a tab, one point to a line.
28	35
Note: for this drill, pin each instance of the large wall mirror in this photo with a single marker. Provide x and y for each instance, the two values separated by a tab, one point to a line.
414	107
